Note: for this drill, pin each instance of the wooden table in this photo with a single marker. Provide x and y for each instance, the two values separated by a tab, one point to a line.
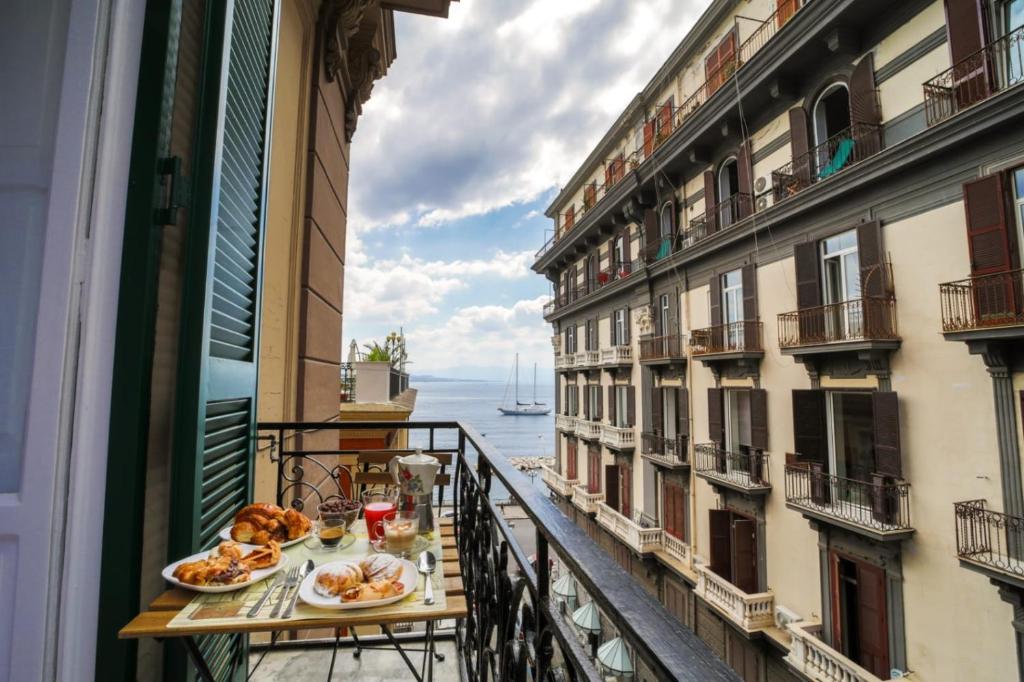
154	622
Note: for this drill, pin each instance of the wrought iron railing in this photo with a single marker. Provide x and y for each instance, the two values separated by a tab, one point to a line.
668	347
834	155
992	69
990	538
859	319
995	300
347	383
735	337
718	218
672	450
515	629
605	277
880	504
747	470
399	382
785	11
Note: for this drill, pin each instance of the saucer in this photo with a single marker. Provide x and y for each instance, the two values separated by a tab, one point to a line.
421	544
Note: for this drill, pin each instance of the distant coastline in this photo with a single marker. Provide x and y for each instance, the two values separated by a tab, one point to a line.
428	378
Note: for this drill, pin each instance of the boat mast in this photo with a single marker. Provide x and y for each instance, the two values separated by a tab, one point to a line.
535	383
517	379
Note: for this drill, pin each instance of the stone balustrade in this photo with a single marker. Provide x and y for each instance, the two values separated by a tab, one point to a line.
817	661
643	540
585	500
750	611
620	437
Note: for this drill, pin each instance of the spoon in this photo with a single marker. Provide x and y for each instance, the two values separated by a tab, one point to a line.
428	562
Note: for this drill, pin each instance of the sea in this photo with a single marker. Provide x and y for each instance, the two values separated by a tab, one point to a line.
476	403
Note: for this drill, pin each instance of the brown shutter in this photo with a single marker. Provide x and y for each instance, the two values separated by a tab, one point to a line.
658	331
611	405
965	25
600	403
784	10
749	276
809	426
609	171
746	181
864	108
665	119
715	287
682	413
720	522
716	421
657	421
668	503
808	275
626	490
631	406
759	419
800	143
648	138
652	235
990	241
872	624
626	249
744	564
593	469
887	433
710	202
625	325
872	259
586	402
611	485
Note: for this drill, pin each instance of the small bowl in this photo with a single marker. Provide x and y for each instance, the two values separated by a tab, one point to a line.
346	509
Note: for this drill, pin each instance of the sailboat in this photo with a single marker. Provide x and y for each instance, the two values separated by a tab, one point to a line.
534	409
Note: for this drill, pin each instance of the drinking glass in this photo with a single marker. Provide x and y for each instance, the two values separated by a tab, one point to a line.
376	505
400	529
330	529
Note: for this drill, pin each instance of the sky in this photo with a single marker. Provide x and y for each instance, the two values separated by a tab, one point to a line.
458	153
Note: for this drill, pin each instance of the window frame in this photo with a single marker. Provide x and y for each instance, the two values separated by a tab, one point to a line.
816	124
619	325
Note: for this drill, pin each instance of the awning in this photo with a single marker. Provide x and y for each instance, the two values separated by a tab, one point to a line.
565	587
587	618
614	656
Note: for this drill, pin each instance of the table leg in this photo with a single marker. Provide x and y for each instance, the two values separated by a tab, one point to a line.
430	652
405	656
197	659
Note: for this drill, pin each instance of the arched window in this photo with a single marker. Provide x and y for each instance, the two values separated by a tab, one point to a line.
666	220
831	113
728	187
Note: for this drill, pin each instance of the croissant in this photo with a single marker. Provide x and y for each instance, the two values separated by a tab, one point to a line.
296	523
243	531
338	581
379	567
264	557
260	508
219	570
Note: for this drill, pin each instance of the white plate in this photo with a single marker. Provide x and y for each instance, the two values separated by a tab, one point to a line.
409	579
254	576
225	534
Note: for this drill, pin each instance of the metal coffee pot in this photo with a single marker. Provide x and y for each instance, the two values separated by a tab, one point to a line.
414	475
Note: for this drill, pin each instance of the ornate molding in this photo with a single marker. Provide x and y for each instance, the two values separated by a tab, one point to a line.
340	20
644	321
364	68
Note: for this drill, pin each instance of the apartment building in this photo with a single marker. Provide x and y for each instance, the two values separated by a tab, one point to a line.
787	313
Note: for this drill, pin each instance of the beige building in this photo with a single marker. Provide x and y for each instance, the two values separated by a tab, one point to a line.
787	312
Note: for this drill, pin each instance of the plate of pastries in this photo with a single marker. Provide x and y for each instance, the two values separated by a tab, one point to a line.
260	523
229	566
375	580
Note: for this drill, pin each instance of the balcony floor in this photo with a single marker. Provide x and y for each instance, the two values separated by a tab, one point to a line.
309	665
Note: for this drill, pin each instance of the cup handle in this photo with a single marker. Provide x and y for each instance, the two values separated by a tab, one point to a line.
378	529
393	469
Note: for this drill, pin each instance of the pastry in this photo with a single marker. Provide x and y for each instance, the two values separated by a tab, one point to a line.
214	570
336	581
296	524
230	550
263	557
381	567
373	591
261	523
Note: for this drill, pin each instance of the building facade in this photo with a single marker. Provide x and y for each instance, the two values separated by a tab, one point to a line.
786	321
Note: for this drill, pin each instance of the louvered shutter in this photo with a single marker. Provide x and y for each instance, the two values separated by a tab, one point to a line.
784	10
872	259
600	403
612	407
715	302
872	623
609	170
611	486
586	402
625	325
627	254
972	72
808	275
683	415
626	490
716	421
759	419
751	335
648	138
631	406
593	469
668	504
989	238
809	438
745	174
652	234
800	144
744	562
865	113
710	203
887	433
720	526
665	120
657	421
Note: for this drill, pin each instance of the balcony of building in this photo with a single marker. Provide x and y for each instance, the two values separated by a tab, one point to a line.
984	307
993	69
727	214
745	472
585	500
750	612
565	361
860	324
676	549
638	538
815	660
558	483
565	422
605	281
618	437
878	508
588	429
990	542
588	359
835	155
666	451
617	356
663	350
722	343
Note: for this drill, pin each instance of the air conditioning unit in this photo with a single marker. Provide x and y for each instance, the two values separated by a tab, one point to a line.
784	617
762	203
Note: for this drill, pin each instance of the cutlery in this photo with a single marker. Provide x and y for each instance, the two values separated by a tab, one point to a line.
303	572
428	562
274	584
291	581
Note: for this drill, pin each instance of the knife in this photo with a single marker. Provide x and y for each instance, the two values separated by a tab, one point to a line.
303	572
278	579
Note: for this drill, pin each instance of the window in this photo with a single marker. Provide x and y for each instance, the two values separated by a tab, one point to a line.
594	396
622	406
733	548
619	328
590	340
618	255
663	315
859	624
840	268
668	413
728	186
1018	203
663	122
732	308
851	436
721	62
830	117
738	435
1011	17
665	229
570	339
591	272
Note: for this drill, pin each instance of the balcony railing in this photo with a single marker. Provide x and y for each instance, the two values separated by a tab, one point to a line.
642	540
676	548
880	506
565	361
608	276
588	358
815	660
617	436
748	472
399	383
859	319
585	500
989	538
751	612
983	302
718	218
663	348
587	429
558	483
839	152
670	451
735	337
617	355
565	422
992	69
348	383
766	31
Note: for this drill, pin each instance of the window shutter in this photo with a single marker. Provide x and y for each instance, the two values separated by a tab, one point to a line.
872	260
593	469
657	421
965	28
625	490
864	107
648	138
716	422
808	275
872	625
611	485
720	526
625	325
809	426
710	202
887	433
668	504
683	413
715	304
586	403
744	564
759	419
658	331
600	403
784	9
631	406
609	171
652	234
745	174
988	236
665	119
612	408
749	278
800	143
626	248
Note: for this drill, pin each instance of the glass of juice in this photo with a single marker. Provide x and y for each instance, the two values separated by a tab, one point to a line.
378	504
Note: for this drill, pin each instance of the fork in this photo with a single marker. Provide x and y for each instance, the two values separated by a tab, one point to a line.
289	582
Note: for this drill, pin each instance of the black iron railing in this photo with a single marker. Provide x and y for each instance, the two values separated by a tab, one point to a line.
992	69
880	504
515	629
614	273
785	10
662	348
995	300
834	155
989	537
859	319
399	382
735	337
673	450
720	217
747	470
348	383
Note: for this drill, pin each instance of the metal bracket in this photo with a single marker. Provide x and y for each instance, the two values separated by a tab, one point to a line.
176	194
